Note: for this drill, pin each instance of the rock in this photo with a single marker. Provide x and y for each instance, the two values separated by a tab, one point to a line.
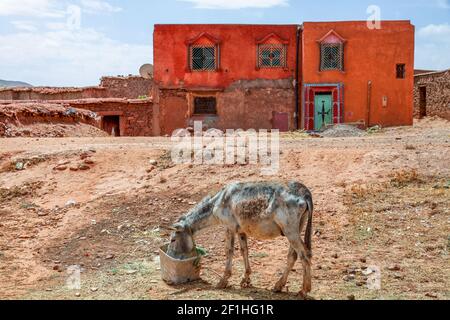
94	289
110	257
335	256
150	169
77	294
71	203
363	260
89	161
349	278
42	214
61	168
395	268
20	166
351	297
83	167
74	169
432	295
153	162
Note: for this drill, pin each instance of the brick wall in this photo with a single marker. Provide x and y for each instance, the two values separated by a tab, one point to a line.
438	93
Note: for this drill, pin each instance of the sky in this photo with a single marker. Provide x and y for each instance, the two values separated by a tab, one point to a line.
75	42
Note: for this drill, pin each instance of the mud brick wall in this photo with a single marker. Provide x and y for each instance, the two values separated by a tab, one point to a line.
51	94
243	105
438	93
136	116
131	87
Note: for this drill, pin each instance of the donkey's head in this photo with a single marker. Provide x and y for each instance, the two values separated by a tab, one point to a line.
182	245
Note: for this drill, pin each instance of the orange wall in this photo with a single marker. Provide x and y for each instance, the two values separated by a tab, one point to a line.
370	55
237	49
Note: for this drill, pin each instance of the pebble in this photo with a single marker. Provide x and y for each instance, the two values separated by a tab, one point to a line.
153	162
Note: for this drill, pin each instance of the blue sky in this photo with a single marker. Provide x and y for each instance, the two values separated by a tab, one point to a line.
75	42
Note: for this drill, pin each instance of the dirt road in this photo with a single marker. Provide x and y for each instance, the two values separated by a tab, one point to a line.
382	202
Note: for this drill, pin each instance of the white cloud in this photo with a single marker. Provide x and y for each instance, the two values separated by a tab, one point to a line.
436	32
52	48
29	26
432	47
98	6
68	58
236	4
30	8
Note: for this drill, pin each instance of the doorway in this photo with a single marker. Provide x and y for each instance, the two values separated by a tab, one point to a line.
323	110
423	102
111	124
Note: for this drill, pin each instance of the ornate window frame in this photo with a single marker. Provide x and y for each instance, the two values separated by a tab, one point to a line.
332	46
201	48
272	52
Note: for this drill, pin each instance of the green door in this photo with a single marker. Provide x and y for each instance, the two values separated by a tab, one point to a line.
323	114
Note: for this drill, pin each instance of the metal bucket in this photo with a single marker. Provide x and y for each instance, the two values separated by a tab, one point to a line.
175	272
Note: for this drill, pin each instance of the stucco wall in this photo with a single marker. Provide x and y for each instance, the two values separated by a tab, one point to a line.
370	55
238	54
438	94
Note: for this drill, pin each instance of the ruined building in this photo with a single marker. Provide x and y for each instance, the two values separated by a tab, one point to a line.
432	94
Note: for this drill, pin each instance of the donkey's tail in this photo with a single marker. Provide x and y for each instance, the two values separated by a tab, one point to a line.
309	227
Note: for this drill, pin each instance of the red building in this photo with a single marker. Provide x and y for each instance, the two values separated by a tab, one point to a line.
283	76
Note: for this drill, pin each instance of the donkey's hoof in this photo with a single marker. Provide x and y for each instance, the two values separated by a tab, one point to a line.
246	283
222	285
278	288
303	295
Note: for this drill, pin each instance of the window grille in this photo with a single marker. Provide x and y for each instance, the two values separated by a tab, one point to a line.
203	58
401	71
332	57
205	105
272	56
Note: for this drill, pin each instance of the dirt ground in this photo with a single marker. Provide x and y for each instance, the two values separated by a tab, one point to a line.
382	201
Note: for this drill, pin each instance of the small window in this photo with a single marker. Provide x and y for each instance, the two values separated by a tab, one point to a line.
203	58
272	56
401	71
331	56
205	105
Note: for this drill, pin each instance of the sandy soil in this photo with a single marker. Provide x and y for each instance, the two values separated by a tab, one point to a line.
382	200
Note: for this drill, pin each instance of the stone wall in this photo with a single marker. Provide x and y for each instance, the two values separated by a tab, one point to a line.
136	116
243	105
51	94
131	87
438	93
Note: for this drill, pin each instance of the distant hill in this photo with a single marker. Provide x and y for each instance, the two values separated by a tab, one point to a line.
10	84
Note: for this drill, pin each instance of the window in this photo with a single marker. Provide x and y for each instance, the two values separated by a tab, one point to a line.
272	56
401	71
205	105
203	58
331	56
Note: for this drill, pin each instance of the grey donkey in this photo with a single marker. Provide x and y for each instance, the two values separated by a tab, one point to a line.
262	210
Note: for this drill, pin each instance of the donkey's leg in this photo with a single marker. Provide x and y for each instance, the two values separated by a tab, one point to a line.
302	251
292	259
246	282
229	265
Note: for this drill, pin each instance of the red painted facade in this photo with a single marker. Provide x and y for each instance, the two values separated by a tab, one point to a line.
365	89
369	56
238	53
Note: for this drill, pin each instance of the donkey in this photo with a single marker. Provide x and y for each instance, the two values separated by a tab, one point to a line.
261	210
